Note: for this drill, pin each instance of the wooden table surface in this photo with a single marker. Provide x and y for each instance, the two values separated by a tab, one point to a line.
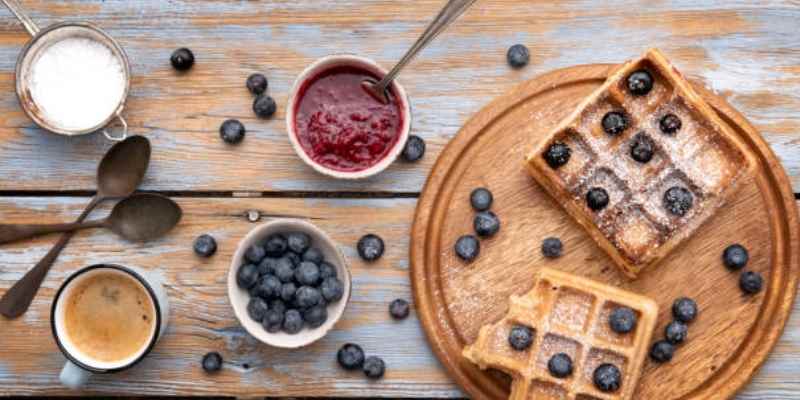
748	51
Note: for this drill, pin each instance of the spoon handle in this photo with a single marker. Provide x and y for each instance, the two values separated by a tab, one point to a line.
452	10
14	232
19	297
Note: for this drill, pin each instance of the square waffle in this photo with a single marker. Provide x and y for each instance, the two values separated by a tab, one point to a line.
704	157
568	314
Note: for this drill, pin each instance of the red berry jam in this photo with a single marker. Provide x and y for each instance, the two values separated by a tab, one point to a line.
340	126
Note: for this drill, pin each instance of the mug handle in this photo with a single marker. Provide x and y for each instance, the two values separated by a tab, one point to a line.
73	376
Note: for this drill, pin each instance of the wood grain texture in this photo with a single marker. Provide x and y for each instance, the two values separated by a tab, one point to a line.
744	50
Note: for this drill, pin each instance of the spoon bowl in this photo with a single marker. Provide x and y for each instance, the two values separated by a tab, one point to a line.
123	167
144	217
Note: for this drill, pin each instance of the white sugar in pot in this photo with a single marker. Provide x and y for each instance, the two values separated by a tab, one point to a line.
71	78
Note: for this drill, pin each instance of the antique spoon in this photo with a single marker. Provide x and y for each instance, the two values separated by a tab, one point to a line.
452	10
137	218
120	172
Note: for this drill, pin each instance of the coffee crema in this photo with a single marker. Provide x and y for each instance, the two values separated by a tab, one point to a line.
109	316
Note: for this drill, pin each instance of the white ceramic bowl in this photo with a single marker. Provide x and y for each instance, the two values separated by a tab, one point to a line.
240	297
333	61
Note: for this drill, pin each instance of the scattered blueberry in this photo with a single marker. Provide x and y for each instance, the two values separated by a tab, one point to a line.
247	276
560	365
284	270
257	308
370	247
307	297
268	287
273	320
212	362
315	316
275	245
399	309
684	309
640	82
292	322
520	337
182	59
232	131
670	124
481	199
298	242
518	56
486	224
662	351
255	254
287	291
350	356
614	123
313	255
678	200
557	154
205	246
264	106
597	198
676	332
552	247
326	270
751	282
374	367
257	83
414	149
267	266
332	289
607	378
622	320
278	305
467	247
307	273
735	257
642	148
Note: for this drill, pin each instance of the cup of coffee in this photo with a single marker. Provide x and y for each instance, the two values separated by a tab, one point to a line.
106	318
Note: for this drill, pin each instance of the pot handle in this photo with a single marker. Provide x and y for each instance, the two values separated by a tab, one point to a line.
22	16
122	122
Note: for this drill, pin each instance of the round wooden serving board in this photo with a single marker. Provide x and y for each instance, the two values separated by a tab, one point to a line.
733	333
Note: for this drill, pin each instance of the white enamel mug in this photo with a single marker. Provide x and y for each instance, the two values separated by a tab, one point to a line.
79	366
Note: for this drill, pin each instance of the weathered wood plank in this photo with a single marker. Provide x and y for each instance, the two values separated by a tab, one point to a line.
744	50
203	321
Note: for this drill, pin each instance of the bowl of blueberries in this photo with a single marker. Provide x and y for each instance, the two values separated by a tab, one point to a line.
288	283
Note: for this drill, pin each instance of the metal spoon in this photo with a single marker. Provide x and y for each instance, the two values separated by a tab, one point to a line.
137	218
449	13
120	172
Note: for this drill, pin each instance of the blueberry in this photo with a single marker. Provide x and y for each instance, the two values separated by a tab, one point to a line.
307	273
313	255
212	362
552	247
332	289
273	321
678	200
277	305
557	154
670	124
326	270
486	224
751	282
481	199
268	287
640	83
284	270
205	246
298	242
182	59
257	308
292	322
350	356
399	309
370	247
662	351
642	148
315	316
287	291
614	123
257	83
520	337
275	245
414	149
255	254
267	266
264	106
307	297
374	367
247	276
597	198
467	247
676	332
232	131
684	309
518	56
293	258
735	257
607	378
560	365
622	320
